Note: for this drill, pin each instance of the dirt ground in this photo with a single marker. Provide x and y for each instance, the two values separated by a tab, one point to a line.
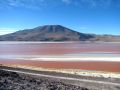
12	78
16	81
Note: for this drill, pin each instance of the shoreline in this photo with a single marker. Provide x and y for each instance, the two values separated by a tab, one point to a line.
20	42
92	73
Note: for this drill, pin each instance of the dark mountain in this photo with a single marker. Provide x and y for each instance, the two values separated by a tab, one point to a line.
55	33
47	33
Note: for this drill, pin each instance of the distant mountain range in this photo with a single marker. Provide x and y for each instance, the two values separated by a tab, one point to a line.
55	33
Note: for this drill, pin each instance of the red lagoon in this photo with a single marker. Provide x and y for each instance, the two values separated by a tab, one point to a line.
61	49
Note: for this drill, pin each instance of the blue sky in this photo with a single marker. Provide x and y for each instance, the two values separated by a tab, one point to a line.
88	16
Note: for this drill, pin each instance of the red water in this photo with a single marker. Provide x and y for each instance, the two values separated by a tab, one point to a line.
60	49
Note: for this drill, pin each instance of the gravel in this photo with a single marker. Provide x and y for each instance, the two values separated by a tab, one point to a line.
16	81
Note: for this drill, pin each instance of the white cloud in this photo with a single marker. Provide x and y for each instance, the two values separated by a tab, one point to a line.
38	4
23	3
92	3
6	30
106	3
67	1
98	3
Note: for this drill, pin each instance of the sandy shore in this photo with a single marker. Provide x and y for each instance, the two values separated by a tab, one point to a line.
20	42
70	71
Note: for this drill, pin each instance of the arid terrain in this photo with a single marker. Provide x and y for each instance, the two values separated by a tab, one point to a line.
12	78
59	44
16	81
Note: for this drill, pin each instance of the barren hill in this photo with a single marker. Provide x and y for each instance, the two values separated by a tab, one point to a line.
55	33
